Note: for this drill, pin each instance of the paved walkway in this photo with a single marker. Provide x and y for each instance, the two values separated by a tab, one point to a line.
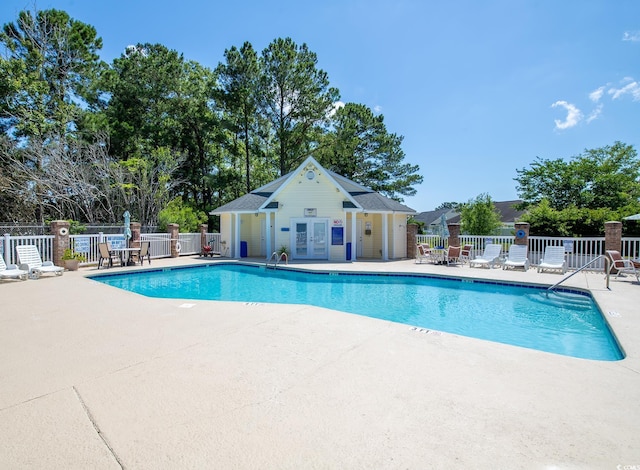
92	377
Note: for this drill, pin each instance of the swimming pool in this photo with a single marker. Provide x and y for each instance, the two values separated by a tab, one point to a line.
567	322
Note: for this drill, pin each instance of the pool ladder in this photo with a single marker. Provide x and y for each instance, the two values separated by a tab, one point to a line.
549	289
276	258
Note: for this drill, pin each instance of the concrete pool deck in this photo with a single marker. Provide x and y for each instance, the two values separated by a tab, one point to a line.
96	377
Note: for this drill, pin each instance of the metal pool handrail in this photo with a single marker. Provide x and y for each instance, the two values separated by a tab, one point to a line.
578	270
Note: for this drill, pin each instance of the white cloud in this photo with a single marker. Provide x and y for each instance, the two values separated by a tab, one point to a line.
595	113
633	36
377	109
595	95
632	88
574	115
336	106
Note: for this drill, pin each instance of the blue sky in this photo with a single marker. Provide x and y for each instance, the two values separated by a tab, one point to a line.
478	89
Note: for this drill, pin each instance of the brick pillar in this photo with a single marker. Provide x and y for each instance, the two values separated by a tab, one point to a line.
613	236
60	231
174	232
203	236
412	231
454	234
523	240
135	234
612	239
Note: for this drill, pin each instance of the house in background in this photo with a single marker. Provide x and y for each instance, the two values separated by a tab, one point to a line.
509	215
318	215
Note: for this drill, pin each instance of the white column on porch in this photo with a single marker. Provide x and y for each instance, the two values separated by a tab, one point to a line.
354	236
236	243
385	237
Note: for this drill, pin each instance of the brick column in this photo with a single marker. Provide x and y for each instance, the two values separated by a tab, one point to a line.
174	232
412	231
524	240
203	236
612	239
613	236
135	234
60	231
454	234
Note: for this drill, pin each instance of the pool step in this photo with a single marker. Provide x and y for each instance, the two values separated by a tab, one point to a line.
562	299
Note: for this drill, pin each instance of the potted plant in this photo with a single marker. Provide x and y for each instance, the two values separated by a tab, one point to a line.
72	259
283	253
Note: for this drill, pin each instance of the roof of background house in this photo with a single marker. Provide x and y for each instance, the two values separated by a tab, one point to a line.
508	214
368	199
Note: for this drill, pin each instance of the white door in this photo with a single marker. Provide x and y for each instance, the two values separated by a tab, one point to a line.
310	238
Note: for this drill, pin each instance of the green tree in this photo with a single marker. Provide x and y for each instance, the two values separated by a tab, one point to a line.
576	197
185	216
448	205
295	97
606	177
159	100
52	61
360	148
479	216
239	79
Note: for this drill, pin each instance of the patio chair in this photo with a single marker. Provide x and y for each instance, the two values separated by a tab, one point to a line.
489	257
517	257
553	259
423	253
29	259
620	264
453	255
144	252
12	271
106	255
465	254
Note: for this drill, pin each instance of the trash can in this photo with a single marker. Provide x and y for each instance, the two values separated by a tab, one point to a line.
348	251
243	249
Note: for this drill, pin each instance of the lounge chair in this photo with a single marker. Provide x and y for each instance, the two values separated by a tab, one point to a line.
11	271
465	253
517	257
553	259
453	255
29	259
489	257
423	253
106	255
620	264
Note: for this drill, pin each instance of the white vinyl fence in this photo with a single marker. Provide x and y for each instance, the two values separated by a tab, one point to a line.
87	244
579	251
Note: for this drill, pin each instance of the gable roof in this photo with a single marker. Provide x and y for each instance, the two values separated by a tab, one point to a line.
356	195
508	214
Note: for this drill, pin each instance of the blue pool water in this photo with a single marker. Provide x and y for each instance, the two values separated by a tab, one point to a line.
566	323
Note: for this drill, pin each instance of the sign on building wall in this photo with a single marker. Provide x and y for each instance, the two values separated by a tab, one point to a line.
337	235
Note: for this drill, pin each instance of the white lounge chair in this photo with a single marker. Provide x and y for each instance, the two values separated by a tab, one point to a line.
621	265
11	271
553	259
29	259
517	257
489	257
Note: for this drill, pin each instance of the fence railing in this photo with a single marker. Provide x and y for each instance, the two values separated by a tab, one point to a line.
579	251
87	244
